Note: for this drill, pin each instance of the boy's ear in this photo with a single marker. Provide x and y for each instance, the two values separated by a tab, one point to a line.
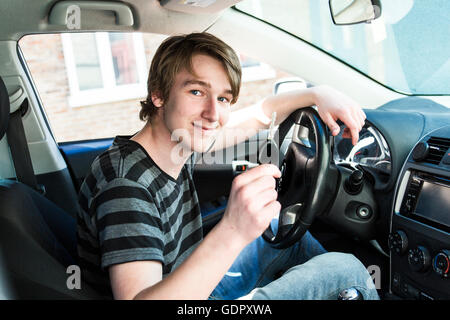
157	99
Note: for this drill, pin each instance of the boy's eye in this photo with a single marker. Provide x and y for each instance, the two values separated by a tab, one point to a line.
196	92
223	99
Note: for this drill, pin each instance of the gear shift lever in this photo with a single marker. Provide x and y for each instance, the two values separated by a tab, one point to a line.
350	294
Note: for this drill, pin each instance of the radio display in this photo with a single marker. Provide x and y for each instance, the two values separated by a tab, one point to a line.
434	203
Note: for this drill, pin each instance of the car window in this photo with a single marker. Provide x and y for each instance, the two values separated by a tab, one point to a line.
90	84
406	49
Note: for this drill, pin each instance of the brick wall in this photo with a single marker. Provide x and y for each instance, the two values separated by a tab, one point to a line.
45	58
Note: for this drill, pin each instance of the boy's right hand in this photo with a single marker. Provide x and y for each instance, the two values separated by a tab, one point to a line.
253	202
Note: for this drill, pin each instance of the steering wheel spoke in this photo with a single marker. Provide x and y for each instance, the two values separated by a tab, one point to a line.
301	135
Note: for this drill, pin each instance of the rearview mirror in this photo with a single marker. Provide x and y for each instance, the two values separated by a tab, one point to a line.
346	12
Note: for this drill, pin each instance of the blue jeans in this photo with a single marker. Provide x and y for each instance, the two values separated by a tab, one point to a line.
305	271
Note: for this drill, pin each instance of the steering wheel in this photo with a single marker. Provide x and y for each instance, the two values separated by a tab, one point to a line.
308	180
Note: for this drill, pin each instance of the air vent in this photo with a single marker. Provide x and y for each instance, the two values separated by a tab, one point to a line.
437	148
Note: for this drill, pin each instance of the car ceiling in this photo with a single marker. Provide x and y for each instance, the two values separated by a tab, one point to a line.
20	17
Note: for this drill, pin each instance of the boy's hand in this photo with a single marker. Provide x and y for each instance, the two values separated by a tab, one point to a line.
333	105
253	202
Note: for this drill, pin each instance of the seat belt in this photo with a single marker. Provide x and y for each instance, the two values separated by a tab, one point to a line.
19	149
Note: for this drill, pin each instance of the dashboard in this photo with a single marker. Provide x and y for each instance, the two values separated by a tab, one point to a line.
371	150
402	205
420	227
371	153
404	153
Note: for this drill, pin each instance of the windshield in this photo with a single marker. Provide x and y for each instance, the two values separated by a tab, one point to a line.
407	49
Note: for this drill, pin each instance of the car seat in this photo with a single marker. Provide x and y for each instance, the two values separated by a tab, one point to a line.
37	238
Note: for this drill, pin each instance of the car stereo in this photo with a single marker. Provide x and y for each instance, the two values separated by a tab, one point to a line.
426	198
419	241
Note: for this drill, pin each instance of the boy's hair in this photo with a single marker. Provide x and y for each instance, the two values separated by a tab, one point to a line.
175	53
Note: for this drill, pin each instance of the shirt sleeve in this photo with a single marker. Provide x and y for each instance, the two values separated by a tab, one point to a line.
128	224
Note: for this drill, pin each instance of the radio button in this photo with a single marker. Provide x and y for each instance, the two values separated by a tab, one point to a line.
398	242
441	263
419	259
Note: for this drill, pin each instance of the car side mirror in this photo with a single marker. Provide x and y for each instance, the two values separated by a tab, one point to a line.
345	12
289	84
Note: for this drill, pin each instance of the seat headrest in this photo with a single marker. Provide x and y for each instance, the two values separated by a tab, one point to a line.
4	108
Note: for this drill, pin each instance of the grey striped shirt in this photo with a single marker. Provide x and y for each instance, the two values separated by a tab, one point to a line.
131	210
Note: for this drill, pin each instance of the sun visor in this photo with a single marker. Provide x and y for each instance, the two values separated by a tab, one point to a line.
198	6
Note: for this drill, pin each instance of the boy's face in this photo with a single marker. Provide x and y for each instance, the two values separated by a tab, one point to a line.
198	106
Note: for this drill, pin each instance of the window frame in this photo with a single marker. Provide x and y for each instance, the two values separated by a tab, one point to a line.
110	92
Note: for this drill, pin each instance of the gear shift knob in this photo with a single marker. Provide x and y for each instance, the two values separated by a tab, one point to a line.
350	294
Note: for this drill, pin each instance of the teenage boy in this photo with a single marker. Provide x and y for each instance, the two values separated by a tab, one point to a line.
140	228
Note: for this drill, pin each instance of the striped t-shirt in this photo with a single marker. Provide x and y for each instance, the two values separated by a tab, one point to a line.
131	210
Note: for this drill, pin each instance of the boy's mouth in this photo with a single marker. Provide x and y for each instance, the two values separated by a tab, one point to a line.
205	129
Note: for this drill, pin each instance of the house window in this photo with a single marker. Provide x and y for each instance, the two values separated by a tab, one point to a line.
104	67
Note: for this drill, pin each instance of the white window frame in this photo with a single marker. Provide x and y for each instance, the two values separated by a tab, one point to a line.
111	91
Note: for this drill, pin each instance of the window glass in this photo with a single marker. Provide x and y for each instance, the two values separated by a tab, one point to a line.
91	84
123	58
406	49
87	62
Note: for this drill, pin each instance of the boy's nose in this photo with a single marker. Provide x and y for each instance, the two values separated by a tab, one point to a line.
211	111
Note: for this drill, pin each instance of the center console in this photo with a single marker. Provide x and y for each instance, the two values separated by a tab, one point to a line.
419	240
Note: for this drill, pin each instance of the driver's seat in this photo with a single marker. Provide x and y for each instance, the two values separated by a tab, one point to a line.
37	239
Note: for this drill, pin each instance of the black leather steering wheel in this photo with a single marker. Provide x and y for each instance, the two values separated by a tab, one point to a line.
309	179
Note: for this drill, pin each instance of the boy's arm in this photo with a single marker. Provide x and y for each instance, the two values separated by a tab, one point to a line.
331	104
194	279
252	205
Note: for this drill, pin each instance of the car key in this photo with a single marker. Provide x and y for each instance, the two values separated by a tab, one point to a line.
268	151
240	166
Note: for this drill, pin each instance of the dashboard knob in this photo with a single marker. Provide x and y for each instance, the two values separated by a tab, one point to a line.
420	151
354	182
398	242
419	259
441	263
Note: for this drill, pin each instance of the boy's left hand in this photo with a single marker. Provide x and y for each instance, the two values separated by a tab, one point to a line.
333	105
